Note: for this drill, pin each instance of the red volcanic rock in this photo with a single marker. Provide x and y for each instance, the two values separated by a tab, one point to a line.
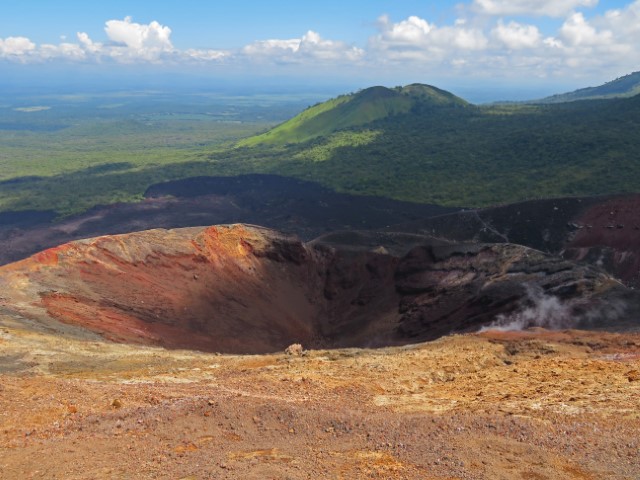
192	288
609	236
246	289
230	289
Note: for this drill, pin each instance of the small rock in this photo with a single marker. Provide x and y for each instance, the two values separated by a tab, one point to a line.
117	403
294	349
380	250
633	376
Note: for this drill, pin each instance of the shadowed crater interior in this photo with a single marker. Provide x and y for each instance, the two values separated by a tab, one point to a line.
245	289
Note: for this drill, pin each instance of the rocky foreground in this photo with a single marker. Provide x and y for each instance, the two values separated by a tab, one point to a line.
528	405
96	380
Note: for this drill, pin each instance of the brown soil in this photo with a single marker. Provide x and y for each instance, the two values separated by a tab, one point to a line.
527	405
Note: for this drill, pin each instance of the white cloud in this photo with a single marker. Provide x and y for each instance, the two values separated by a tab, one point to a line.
315	47
415	38
516	36
205	55
412	31
128	42
624	22
269	48
131	42
87	44
608	41
69	51
549	8
553	43
478	45
16	46
311	46
138	36
577	31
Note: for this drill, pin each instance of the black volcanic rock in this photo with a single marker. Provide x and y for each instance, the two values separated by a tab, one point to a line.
604	231
458	288
303	208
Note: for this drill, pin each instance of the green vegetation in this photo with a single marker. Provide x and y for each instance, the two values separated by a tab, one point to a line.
348	111
458	154
84	150
623	87
100	161
324	151
415	143
303	127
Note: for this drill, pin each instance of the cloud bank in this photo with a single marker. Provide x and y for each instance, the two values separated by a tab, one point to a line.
310	47
547	8
489	37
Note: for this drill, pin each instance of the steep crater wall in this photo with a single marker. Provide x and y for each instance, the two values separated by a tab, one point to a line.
246	289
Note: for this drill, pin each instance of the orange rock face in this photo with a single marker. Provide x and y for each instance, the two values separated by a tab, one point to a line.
178	289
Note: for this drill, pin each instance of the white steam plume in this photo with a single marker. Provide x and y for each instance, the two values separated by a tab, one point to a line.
548	311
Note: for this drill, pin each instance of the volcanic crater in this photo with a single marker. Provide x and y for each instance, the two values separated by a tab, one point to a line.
247	289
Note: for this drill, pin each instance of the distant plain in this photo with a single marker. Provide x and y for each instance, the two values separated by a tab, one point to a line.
69	152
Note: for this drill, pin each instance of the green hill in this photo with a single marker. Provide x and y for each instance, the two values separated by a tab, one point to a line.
419	143
623	87
355	110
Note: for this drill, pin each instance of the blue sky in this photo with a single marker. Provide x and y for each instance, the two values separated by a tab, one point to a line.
224	24
510	43
219	24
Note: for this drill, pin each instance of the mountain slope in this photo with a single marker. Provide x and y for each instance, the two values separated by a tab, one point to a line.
626	86
355	110
460	156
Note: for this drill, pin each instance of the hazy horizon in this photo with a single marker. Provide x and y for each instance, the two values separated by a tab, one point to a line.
26	82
